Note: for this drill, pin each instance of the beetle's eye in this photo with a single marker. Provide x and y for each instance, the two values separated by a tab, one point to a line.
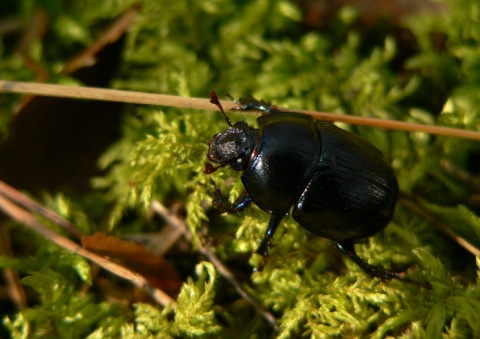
238	163
240	158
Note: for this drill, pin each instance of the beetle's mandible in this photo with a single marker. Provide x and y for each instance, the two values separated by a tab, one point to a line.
334	183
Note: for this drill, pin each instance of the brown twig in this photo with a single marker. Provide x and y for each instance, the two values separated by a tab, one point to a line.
204	104
465	177
33	206
114	32
36	29
221	268
19	214
16	292
416	206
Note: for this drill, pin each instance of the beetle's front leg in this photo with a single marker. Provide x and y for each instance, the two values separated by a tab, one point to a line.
221	202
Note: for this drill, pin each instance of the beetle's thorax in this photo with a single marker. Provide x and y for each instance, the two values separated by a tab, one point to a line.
233	146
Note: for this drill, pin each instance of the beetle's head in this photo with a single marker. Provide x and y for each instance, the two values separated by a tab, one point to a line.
233	146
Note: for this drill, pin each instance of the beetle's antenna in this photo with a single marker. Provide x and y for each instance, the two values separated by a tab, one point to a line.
214	100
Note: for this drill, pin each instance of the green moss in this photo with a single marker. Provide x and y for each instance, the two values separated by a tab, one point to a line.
260	48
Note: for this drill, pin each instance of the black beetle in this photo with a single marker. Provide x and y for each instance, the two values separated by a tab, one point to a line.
336	184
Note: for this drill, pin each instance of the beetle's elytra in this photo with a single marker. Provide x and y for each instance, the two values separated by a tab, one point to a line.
334	183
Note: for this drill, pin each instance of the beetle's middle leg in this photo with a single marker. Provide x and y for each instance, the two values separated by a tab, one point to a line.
264	247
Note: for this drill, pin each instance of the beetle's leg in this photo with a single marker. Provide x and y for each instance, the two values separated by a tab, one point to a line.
251	104
349	250
264	247
272	226
221	202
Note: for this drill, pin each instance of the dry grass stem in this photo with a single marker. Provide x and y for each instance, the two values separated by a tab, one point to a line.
92	93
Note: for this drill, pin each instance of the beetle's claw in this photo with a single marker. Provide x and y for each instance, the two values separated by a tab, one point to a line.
261	266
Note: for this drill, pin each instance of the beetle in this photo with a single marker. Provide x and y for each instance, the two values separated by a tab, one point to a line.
334	183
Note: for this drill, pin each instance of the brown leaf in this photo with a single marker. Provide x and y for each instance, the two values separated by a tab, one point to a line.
155	269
